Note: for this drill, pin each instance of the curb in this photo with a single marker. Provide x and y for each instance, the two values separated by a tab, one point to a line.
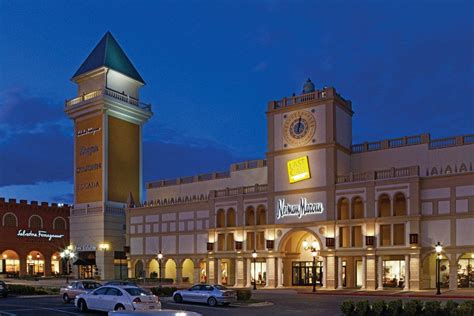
465	297
36	296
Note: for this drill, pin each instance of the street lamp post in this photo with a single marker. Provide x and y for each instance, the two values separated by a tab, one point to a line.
254	257
438	249
160	258
67	254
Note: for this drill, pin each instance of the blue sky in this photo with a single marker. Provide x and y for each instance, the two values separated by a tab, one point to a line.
212	66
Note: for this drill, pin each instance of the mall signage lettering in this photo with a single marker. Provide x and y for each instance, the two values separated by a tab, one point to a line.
299	210
38	234
88	131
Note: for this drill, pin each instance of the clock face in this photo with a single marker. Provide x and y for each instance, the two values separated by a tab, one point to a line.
299	128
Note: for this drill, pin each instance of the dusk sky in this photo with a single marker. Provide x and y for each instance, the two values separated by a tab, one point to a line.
212	66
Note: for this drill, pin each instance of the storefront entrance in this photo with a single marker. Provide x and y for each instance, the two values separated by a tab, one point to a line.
302	273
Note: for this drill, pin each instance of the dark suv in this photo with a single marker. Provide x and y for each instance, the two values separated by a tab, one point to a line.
3	289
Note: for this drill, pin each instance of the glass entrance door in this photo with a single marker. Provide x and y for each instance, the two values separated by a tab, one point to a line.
302	272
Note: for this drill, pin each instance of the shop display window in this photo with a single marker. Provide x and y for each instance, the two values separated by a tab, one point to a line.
394	273
202	272
260	268
466	272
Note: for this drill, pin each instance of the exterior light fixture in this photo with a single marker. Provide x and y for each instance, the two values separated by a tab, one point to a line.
104	247
160	260
305	245
438	249
254	256
314	254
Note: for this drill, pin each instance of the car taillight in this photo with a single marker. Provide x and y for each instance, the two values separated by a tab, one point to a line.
137	300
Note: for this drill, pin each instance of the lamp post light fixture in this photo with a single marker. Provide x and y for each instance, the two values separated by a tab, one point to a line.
254	258
67	254
160	259
438	249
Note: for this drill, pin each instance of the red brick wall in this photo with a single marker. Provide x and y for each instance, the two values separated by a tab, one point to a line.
24	245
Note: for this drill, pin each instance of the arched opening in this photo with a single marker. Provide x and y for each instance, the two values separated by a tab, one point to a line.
154	269
231	217
399	204
188	271
343	209
10	263
56	263
10	220
298	262
35	222
170	269
466	270
384	205
261	215
250	216
357	207
59	223
139	269
35	263
429	271
220	218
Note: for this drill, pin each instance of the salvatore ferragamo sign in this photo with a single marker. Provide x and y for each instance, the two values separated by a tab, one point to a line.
298	210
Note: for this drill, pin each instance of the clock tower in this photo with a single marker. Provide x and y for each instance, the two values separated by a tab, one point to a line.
108	118
309	141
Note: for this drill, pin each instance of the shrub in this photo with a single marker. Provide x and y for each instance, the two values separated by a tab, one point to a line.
362	308
432	308
395	307
347	308
466	308
41	292
163	290
379	307
21	289
153	275
413	307
243	294
450	307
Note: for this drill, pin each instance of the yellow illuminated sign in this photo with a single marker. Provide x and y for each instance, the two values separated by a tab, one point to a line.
298	169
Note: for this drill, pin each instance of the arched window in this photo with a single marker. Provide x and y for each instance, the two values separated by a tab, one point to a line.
357	207
399	204
343	209
220	218
261	215
230	217
35	222
59	223
384	205
10	220
250	216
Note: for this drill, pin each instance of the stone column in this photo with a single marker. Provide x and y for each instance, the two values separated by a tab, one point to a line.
364	272
179	274
249	277
131	272
371	273
279	272
407	273
270	282
325	269
339	273
197	275
47	266
379	273
239	272
219	271
330	270
211	271
453	272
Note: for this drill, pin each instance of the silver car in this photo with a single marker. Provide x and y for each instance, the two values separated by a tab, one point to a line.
205	293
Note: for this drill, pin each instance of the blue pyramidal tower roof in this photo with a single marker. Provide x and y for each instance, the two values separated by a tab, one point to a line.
108	53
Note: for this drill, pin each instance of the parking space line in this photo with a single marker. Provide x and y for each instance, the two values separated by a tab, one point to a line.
199	306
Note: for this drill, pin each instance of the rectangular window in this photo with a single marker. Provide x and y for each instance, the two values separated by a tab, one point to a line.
220	242
260	241
250	242
385	235
230	242
357	236
344	236
399	234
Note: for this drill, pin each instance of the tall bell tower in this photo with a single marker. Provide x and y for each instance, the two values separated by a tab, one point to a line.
108	118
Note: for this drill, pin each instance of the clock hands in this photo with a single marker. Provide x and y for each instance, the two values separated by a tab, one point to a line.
299	124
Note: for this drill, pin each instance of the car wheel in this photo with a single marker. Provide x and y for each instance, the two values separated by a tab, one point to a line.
82	306
178	298
119	307
212	301
66	298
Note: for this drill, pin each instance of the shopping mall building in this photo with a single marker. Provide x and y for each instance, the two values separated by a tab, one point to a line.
370	212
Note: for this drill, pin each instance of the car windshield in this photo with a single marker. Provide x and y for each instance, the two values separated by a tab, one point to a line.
220	287
91	285
136	291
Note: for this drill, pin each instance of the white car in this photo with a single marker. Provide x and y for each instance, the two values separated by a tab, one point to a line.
117	298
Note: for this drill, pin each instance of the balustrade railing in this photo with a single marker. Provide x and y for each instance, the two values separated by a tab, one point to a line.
111	93
379	175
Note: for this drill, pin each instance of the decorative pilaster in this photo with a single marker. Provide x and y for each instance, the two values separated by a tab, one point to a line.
379	273
325	274
364	272
339	273
179	274
219	271
279	272
196	275
407	273
270	282
249	277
